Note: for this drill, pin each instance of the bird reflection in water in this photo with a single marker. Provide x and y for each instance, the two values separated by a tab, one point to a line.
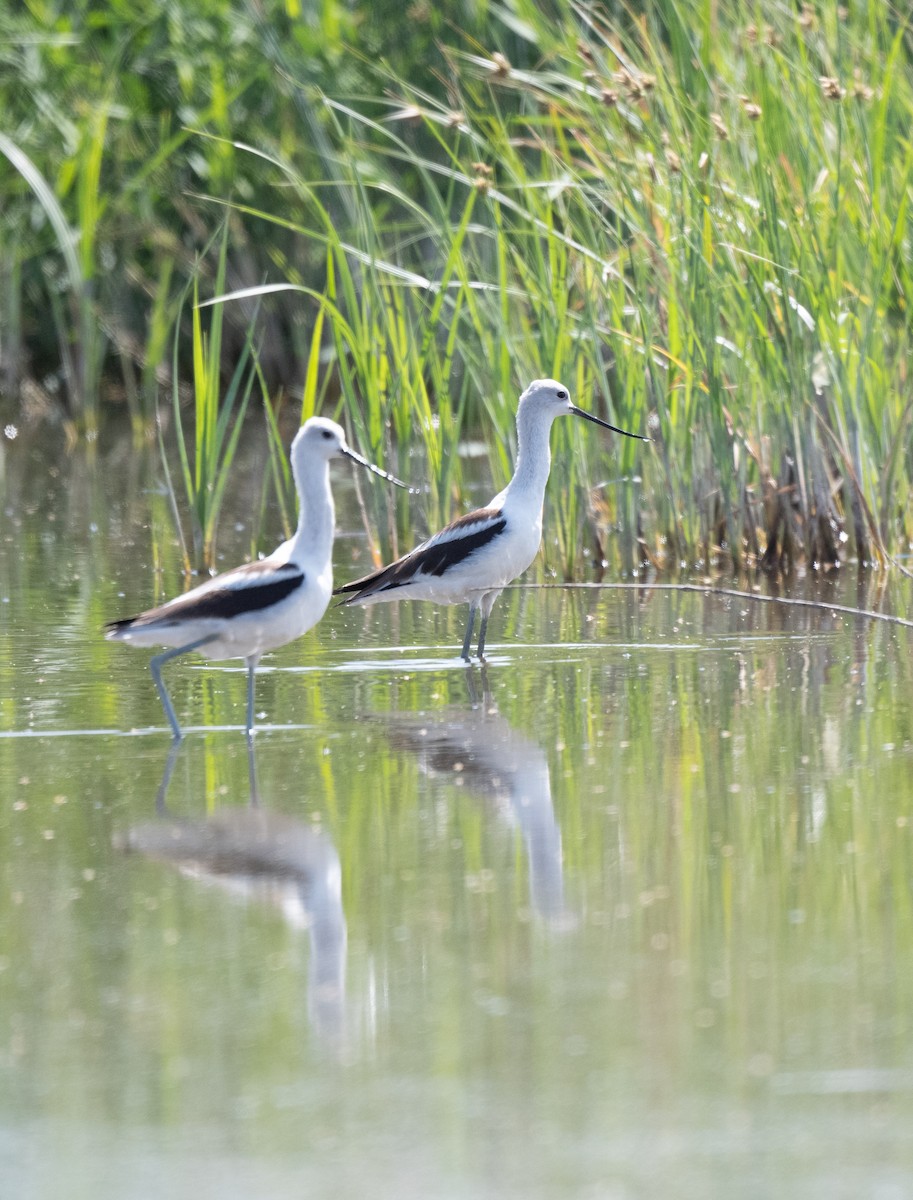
481	749
261	855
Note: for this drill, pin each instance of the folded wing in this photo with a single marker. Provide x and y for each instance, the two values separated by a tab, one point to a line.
453	546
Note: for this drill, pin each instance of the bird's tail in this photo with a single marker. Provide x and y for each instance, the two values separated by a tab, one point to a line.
361	589
115	629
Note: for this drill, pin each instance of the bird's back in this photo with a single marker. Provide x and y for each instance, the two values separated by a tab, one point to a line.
481	551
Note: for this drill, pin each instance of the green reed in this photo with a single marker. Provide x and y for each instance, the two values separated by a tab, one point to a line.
207	452
712	251
696	216
69	295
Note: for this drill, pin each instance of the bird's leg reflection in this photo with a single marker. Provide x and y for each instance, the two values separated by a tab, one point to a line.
161	806
254	853
480	699
252	771
170	763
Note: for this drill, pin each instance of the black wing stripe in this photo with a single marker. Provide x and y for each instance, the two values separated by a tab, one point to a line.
435	559
219	604
440	558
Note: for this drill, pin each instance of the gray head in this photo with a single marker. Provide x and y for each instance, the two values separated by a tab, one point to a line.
321	438
552	399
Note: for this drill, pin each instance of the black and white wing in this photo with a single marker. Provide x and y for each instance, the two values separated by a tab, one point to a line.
248	589
454	545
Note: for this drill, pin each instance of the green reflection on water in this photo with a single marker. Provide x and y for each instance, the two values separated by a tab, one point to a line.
629	915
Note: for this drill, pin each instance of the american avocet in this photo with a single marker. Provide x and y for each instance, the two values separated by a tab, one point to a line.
475	557
262	605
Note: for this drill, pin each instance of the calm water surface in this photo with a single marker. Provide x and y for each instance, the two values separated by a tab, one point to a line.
628	914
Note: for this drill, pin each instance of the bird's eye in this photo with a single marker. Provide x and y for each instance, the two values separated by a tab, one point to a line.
327	434
562	394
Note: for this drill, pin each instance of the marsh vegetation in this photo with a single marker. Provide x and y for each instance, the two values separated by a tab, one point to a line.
695	214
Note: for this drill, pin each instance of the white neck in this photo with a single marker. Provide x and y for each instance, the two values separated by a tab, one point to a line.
534	457
316	515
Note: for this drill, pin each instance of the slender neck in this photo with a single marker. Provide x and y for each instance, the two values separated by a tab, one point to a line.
316	516
533	455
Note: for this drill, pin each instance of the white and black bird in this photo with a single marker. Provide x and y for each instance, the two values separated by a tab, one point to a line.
263	605
475	557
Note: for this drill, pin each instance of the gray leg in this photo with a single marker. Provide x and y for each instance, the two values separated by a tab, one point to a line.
488	603
251	668
483	629
472	620
156	665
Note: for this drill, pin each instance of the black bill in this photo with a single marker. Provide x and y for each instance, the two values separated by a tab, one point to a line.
579	412
363	462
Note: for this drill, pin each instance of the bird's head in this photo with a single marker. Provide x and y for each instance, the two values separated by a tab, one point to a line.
552	399
319	437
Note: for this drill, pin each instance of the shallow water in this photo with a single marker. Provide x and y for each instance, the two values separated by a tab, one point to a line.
627	914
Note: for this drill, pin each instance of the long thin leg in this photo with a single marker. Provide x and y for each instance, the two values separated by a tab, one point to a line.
468	638
483	629
251	668
156	665
488	602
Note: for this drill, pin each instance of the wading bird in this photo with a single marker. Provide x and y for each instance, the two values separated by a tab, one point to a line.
475	557
262	605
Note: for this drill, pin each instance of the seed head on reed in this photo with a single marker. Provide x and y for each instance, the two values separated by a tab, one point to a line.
500	66
861	90
831	87
636	86
482	180
410	113
752	110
